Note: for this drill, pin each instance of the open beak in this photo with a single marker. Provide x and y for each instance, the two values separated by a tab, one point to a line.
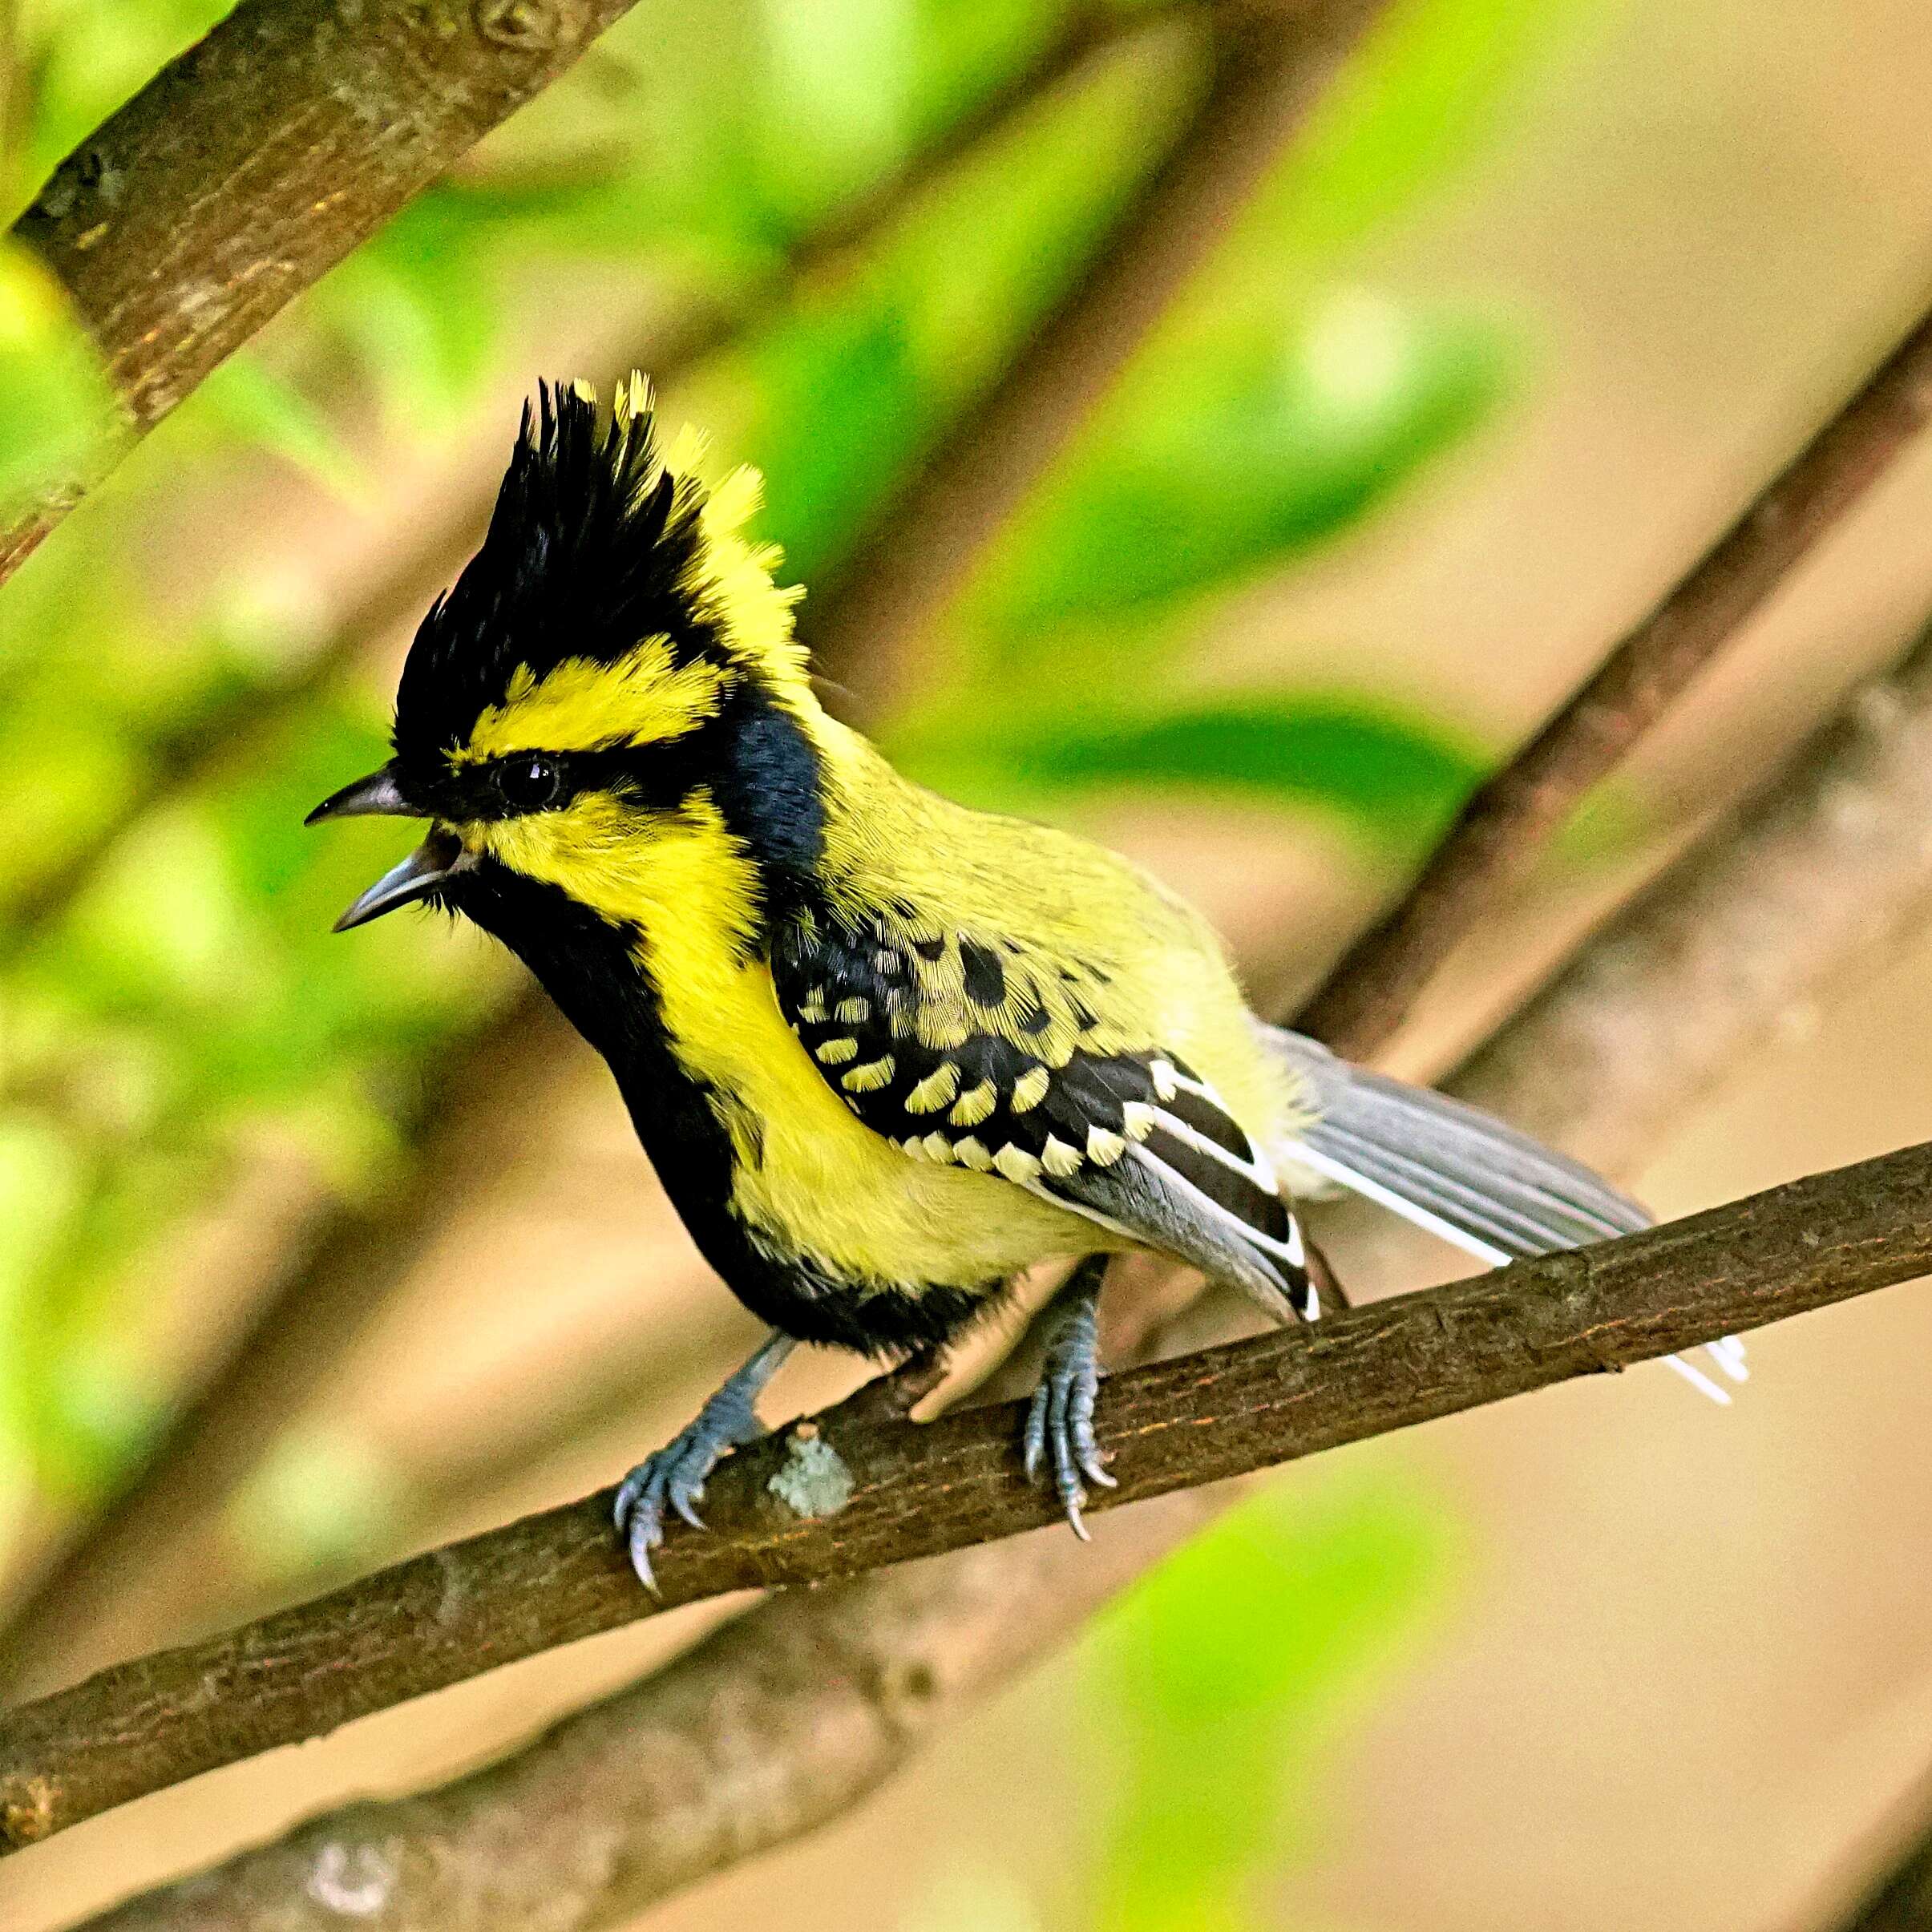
441	856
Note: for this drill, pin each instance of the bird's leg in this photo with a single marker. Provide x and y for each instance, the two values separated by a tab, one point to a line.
674	1476
1060	1422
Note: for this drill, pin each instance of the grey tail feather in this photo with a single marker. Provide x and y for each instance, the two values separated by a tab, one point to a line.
1468	1176
1461	1172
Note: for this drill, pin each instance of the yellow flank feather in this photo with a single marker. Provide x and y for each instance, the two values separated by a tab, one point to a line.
826	1188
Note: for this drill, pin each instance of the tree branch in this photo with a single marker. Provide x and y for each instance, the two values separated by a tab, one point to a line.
1510	818
1816	873
250	165
836	1497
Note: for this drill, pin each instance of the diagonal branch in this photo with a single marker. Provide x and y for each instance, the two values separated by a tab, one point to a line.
1818	872
1509	821
1270	64
1899	1897
250	165
838	1496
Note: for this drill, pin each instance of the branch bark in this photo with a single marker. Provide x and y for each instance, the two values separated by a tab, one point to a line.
250	165
1509	819
840	1495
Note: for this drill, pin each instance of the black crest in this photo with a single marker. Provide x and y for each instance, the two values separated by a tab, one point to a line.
592	548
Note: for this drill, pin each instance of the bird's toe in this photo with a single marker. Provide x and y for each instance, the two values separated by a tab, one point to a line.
1058	1435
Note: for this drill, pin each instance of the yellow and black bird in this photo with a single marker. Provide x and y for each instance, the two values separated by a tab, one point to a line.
884	1052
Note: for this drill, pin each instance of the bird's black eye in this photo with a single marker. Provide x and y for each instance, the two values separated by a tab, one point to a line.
529	783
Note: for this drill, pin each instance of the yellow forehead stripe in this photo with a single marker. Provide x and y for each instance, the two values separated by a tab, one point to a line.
644	697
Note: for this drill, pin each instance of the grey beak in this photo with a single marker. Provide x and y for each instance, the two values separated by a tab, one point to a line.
377	794
440	856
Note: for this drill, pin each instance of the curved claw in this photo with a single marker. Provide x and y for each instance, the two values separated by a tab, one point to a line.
1060	1418
674	1477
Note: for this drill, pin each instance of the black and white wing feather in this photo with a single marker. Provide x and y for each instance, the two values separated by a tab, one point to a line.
977	1053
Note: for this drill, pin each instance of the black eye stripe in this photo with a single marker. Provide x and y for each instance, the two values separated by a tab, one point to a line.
657	776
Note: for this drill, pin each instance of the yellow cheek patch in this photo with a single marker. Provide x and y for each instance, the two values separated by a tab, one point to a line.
645	697
669	874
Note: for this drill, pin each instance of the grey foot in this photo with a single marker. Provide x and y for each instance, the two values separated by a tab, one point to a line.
1060	1423
674	1477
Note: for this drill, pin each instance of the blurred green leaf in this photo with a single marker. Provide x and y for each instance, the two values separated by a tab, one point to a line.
1268	448
71	1409
837	102
1219	1676
321	1499
41	1177
1423	93
827	469
81	59
854	387
256	403
101	1412
1391	776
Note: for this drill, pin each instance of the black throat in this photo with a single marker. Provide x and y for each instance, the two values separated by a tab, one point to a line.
762	774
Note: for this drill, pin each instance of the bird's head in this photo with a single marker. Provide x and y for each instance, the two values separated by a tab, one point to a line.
609	706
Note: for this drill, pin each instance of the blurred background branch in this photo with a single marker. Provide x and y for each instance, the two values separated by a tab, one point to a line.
1267	69
1833	856
1899	1898
1501	828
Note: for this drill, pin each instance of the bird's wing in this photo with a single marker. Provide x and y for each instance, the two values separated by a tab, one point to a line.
983	1052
